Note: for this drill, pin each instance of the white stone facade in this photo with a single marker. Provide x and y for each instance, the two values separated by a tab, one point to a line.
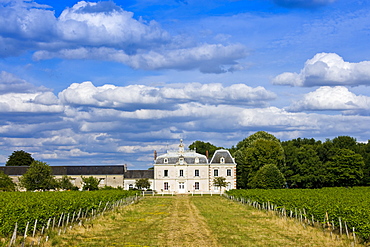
185	171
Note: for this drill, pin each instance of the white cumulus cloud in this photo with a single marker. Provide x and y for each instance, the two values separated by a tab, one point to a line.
105	31
327	69
141	96
332	98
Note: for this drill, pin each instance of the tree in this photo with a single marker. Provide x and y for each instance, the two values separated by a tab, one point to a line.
142	183
6	183
345	168
255	151
90	183
220	182
268	177
258	135
19	158
203	147
38	177
65	183
308	169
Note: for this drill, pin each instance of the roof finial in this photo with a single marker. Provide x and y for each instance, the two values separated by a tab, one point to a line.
181	147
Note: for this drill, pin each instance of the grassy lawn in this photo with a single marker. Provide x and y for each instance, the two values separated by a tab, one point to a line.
191	221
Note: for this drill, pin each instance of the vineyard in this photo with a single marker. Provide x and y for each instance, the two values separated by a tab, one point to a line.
37	211
331	206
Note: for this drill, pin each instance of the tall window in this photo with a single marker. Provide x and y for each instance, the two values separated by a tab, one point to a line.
196	185
215	172
196	173
181	173
165	173
165	186
228	172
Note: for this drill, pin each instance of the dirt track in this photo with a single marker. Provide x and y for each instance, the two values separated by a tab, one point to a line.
186	227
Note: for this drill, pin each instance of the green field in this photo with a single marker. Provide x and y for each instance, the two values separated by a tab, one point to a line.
89	218
193	221
334	206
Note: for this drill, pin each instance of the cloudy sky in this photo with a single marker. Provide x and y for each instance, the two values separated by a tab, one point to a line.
109	82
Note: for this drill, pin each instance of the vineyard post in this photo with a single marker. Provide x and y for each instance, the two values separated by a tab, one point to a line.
48	224
354	235
25	231
345	224
14	236
313	220
34	229
73	217
60	220
340	226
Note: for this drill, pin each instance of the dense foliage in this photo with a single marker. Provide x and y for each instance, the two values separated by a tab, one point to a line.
23	207
220	182
203	148
19	158
90	183
6	183
38	177
268	177
304	163
349	204
142	183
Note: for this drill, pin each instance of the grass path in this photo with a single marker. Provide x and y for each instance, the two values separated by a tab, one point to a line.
192	221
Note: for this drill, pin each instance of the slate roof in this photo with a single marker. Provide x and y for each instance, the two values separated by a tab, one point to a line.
136	174
216	158
69	170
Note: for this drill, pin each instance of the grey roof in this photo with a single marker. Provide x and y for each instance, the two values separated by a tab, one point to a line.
174	160
70	170
136	174
216	158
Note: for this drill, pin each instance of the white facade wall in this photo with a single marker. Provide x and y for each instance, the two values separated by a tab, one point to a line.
185	171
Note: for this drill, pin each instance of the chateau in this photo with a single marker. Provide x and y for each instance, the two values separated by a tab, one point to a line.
185	171
177	171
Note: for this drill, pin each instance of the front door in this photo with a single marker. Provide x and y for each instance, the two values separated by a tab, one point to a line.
181	187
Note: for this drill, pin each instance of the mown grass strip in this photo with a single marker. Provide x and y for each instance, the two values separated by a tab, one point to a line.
234	224
192	221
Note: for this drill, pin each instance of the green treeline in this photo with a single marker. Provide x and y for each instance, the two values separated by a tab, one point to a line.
263	161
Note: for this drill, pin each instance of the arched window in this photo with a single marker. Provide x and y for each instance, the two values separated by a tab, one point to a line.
222	160
196	160
165	160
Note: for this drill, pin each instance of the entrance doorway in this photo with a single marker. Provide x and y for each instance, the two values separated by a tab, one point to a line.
181	187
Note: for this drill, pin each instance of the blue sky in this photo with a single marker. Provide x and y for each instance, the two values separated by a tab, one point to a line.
109	82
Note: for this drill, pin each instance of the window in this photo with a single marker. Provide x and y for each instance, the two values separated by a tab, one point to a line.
196	185
102	181
130	187
165	161
196	160
228	172
181	173
196	173
165	186
215	173
165	173
222	160
181	160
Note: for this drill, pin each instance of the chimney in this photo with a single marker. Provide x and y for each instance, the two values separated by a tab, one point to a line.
155	154
207	154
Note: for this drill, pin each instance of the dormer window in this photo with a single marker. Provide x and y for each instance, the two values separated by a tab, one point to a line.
222	160
196	160
165	161
181	161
